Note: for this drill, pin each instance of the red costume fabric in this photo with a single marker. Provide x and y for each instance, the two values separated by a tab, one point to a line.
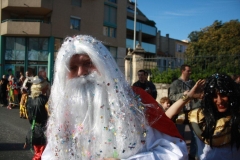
38	150
156	117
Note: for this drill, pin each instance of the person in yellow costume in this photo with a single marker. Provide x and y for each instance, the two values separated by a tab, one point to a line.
23	111
10	94
216	123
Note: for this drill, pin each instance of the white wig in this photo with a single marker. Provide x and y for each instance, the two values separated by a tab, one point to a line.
106	122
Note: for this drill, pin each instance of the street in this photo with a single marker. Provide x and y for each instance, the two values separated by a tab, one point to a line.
13	131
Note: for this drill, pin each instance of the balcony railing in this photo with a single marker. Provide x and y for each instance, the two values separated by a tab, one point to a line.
10	4
148	47
25	20
26	27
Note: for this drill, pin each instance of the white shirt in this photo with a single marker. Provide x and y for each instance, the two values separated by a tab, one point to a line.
205	152
158	146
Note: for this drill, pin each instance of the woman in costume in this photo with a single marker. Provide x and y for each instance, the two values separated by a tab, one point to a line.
23	101
216	122
10	89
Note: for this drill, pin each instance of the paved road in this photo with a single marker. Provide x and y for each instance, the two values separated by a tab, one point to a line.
13	131
12	135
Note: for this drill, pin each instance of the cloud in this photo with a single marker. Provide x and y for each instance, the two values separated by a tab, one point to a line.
187	12
196	10
175	14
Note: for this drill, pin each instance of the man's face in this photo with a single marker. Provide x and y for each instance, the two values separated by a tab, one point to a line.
187	72
238	80
141	77
80	65
146	76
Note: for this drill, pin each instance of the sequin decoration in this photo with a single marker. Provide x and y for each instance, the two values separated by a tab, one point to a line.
107	121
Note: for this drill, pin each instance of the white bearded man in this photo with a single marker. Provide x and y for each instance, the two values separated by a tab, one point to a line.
96	115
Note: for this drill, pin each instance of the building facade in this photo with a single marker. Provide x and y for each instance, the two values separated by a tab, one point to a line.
160	51
32	31
146	32
170	52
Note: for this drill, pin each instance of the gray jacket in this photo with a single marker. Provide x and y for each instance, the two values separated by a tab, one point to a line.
176	90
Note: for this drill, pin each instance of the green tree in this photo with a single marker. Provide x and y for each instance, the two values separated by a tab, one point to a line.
215	48
216	39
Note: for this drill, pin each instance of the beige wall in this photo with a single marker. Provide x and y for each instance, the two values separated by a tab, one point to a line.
121	55
25	28
180	55
91	14
30	3
162	90
168	45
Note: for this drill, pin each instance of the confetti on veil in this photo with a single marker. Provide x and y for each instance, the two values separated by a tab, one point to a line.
102	118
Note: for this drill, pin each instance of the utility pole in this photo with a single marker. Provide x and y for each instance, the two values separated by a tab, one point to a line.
134	30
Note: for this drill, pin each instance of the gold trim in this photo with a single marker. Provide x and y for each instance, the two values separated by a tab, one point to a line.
221	134
185	97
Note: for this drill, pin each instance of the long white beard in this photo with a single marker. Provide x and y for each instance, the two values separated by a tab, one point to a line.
84	124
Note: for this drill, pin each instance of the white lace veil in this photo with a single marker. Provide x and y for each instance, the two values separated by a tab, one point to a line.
99	119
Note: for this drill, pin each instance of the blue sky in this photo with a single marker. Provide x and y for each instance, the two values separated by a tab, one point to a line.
179	18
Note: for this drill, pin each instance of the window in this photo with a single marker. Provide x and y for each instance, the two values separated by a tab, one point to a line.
77	2
110	21
110	15
181	48
113	1
105	31
38	49
109	31
15	48
75	23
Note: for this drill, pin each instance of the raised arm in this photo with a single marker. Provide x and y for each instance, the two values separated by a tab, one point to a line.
195	92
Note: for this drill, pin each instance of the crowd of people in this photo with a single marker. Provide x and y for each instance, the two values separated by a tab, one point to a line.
94	113
14	92
187	101
30	94
11	91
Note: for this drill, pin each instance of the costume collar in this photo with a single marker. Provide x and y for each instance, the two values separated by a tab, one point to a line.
155	115
221	135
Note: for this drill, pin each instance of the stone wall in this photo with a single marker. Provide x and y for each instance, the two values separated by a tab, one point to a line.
162	90
133	63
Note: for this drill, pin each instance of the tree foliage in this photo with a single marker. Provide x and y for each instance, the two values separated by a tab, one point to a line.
216	39
215	48
164	77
